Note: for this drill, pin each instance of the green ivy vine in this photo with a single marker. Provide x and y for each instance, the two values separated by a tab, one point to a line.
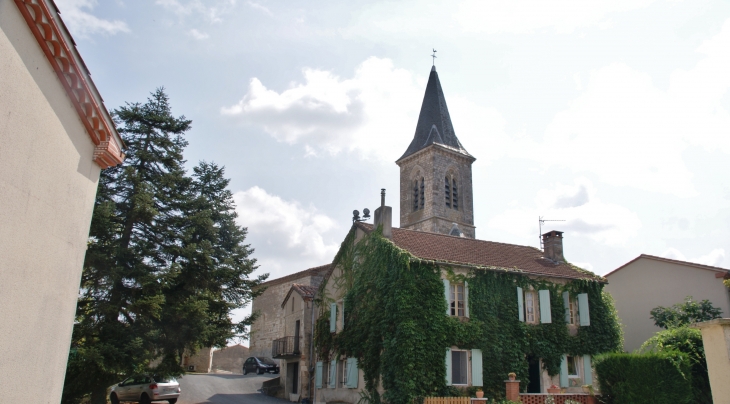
397	327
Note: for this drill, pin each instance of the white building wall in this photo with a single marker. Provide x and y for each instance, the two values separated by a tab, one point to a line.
47	187
647	283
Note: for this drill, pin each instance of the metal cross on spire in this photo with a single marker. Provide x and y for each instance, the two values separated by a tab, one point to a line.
434	57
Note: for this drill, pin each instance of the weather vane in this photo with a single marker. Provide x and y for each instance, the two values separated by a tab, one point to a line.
434	57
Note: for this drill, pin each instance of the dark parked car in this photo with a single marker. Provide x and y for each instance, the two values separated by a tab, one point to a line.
260	365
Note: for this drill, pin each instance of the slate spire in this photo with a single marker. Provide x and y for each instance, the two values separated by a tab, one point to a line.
434	123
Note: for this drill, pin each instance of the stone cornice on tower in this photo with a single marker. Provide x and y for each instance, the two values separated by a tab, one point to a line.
60	50
434	122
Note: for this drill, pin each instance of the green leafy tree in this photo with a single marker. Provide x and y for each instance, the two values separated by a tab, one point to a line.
685	313
165	262
689	341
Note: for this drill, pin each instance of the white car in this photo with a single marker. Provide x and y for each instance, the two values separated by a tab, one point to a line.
145	389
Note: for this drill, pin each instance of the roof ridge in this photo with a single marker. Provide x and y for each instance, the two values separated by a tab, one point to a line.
464	238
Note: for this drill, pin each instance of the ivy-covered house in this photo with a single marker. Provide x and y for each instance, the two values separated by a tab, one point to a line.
429	310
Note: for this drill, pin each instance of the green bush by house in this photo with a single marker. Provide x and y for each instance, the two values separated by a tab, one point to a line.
648	378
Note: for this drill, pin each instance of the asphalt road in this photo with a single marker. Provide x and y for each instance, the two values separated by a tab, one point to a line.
216	388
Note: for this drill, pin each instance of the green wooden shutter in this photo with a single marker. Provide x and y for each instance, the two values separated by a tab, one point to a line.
333	374
466	299
520	304
448	366
352	373
564	372
447	294
545	313
566	304
333	317
476	368
587	370
585	318
318	375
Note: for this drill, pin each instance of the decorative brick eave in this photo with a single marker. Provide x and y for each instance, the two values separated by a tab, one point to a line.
78	86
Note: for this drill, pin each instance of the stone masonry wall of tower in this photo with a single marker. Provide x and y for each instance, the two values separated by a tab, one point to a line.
432	164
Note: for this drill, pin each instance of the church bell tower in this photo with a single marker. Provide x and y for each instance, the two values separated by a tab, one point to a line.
435	172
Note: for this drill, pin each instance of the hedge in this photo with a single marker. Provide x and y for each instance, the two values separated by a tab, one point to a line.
648	378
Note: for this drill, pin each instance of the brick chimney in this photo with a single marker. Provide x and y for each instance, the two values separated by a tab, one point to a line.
384	216
552	243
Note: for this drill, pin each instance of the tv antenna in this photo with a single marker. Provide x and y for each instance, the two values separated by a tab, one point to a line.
541	221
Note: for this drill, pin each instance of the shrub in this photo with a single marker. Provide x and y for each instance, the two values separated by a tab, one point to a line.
685	313
648	378
689	341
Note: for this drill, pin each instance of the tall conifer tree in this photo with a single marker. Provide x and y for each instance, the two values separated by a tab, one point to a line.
165	262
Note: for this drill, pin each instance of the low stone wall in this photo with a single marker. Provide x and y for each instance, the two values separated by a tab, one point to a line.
530	398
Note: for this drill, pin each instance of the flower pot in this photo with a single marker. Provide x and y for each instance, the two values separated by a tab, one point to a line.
480	394
587	388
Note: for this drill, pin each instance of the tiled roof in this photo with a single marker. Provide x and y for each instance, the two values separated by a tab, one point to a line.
305	290
481	253
722	271
319	271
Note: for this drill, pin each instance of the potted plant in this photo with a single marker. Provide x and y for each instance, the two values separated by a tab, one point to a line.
553	389
511	376
588	389
480	393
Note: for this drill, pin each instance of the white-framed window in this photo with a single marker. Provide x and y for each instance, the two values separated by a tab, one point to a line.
456	302
459	367
531	307
343	372
573	309
325	374
572	367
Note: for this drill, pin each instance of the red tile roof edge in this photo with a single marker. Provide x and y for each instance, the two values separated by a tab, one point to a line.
320	270
367	227
671	261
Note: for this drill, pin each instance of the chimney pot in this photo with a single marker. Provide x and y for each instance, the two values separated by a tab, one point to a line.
384	217
552	242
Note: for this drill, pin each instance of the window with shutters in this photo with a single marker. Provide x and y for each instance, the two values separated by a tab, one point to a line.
572	367
422	198
531	307
457	300
325	374
447	191
454	195
573	309
343	373
459	367
451	194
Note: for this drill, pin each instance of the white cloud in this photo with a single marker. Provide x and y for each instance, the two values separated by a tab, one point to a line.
77	15
527	16
260	7
287	236
213	10
198	35
584	215
373	113
630	132
449	18
714	258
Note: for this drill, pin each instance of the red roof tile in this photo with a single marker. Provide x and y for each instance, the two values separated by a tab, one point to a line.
319	271
481	253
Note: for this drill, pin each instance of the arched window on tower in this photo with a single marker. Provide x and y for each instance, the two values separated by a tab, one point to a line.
447	192
415	195
454	195
423	191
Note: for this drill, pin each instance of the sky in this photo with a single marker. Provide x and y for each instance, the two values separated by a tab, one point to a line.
613	115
